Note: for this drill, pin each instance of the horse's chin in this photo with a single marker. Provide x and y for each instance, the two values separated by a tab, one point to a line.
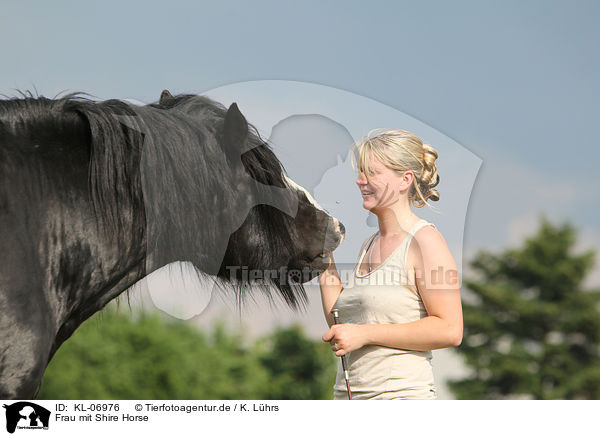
318	267
310	268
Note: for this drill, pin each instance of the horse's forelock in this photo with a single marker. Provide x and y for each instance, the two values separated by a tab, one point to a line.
260	161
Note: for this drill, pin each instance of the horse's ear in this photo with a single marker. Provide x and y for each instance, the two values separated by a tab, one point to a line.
164	95
235	133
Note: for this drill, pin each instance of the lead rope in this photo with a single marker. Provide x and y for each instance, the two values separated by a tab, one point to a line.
336	314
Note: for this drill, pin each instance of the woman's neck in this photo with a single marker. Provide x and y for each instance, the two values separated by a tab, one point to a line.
394	220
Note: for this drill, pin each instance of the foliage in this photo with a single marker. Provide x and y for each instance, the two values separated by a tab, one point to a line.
141	356
296	364
533	331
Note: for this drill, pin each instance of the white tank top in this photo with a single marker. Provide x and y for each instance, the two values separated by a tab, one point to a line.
388	294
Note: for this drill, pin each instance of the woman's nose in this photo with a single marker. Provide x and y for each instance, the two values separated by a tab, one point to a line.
361	180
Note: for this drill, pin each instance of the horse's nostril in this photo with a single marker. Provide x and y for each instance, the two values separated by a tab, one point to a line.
338	227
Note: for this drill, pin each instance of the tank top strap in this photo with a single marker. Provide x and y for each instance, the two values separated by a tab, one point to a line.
363	250
418	226
403	253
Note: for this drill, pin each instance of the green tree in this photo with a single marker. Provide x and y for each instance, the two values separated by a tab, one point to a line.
532	329
118	355
140	356
299	368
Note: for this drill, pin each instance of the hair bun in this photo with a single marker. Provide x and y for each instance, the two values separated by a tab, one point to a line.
430	178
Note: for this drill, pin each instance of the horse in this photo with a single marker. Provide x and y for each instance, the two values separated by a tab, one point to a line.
96	195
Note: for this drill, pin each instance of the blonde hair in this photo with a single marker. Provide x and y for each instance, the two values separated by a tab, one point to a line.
401	150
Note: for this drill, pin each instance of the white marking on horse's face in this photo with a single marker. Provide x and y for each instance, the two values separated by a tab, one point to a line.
297	187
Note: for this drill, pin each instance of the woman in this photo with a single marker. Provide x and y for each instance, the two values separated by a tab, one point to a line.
403	299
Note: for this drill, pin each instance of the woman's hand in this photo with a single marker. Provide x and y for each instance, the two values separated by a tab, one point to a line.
347	337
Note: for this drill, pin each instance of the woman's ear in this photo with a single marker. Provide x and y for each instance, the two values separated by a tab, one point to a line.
408	177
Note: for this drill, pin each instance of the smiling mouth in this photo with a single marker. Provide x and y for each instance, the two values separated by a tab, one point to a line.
367	193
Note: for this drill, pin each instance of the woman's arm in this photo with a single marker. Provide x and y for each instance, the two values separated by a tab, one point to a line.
331	287
429	333
437	282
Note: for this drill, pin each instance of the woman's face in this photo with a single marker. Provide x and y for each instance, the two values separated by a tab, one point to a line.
381	189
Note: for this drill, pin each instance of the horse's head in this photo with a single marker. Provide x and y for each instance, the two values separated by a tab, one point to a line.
279	233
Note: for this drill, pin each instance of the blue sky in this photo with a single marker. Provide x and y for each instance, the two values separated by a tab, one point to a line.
514	82
514	77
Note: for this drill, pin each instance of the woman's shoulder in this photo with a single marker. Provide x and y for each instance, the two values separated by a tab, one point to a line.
427	232
423	224
430	243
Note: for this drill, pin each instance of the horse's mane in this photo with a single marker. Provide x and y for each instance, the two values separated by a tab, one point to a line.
176	143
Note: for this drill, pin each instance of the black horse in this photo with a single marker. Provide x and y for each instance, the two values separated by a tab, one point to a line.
96	195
